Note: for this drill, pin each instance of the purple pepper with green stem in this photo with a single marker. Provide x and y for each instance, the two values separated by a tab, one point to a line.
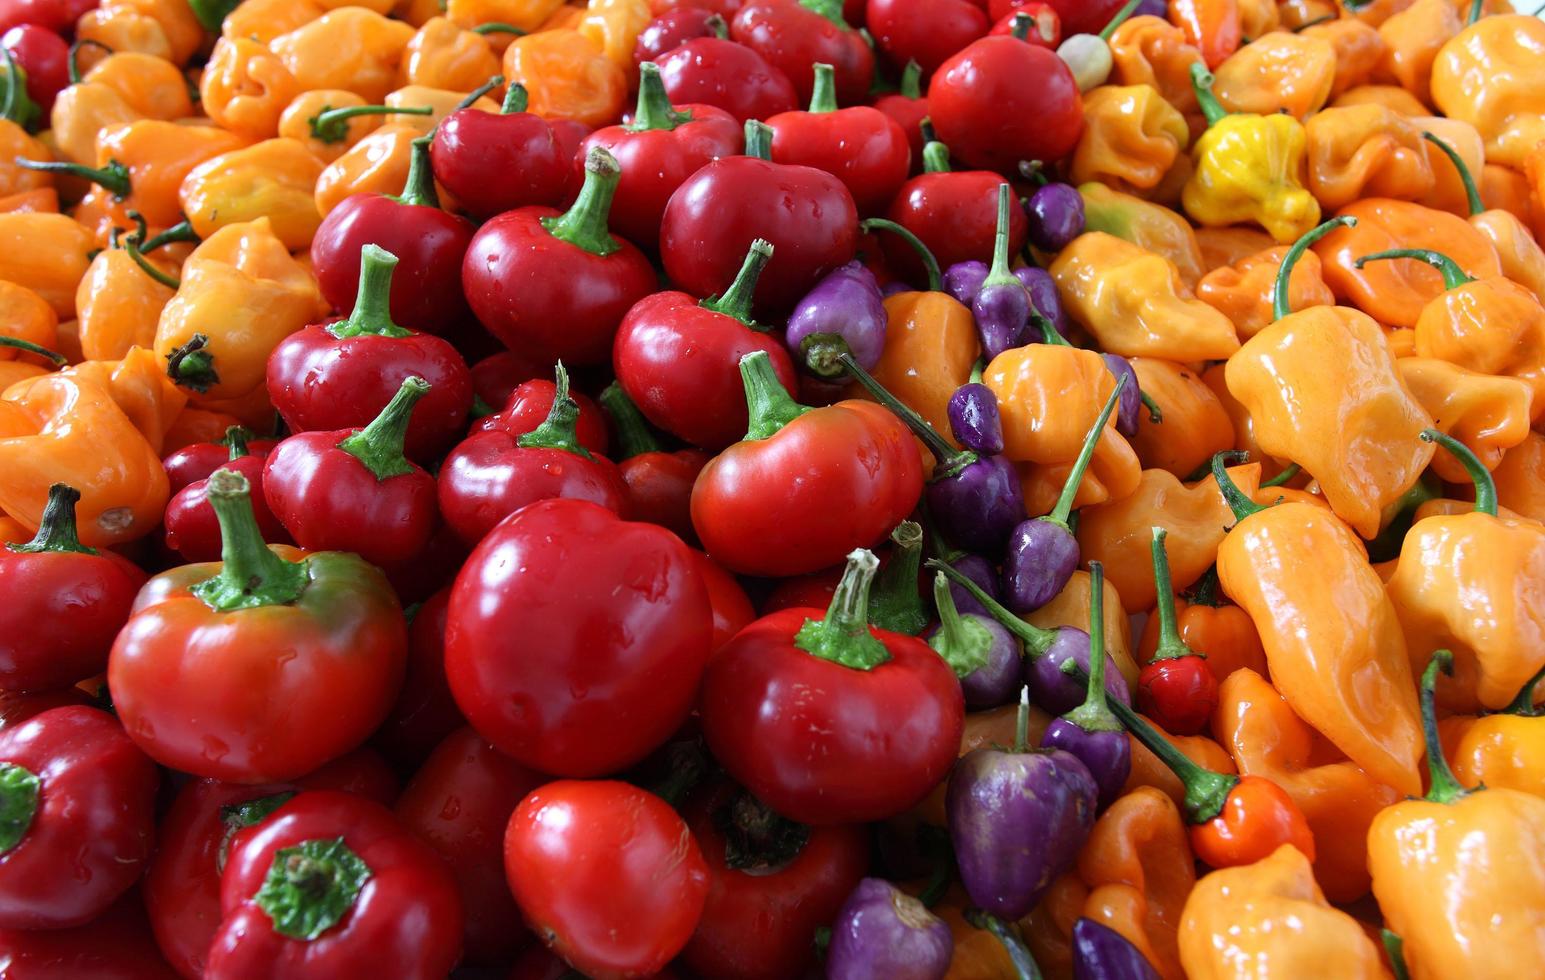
974	418
846	303
881	931
1044	299
963	280
983	654
1002	305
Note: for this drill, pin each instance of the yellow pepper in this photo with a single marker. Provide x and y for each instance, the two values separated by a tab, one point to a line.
1488	413
1505	750
119	89
442	55
1242	290
1249	168
1520	478
118	306
245	87
1391	96
1152	51
1492	75
1277	72
47	253
528	15
1134	302
1145	224
614	26
138	385
264	20
1366	151
275	178
1131	138
349	48
162	28
567	76
1358	48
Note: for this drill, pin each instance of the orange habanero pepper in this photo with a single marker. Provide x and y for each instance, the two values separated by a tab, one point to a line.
378	164
614	26
138	385
1132	138
118	305
119	89
1152	51
1145	224
1230	243
1504	750
1412	39
264	20
1520	478
47	253
245	88
443	55
1488	413
1392	97
1366	151
567	76
1185	424
1492	76
930	347
1520	256
1242	289
1278	72
528	15
162	28
26	322
1359	50
349	48
275	179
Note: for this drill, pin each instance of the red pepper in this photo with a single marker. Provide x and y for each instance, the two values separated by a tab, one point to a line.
953	213
800	703
796	35
658	150
678	359
198	460
1045	27
493	473
64	602
353	489
1000	101
45	58
79	805
732	610
56	15
16	707
556	283
862	146
332	885
764	506
341	375
425	713
192	529
196	673
716	72
675	27
1176	688
498	162
909	108
814	591
659	483
576	640
1077	16
459	803
495	377
924	31
429	242
527	406
116	945
807	215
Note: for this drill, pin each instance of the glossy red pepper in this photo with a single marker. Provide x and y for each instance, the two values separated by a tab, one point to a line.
56	15
607	874
44	56
732	609
659	483
763	506
1078	16
116	945
496	162
924	31
195	675
341	375
1000	101
197	460
459	803
16	707
528	405
191	528
1045	26
675	27
953	213
800	701
79	800
424	712
713	71
429	242
332	885
909	107
495	377
796	35
678	359
64	602
1176	688
575	639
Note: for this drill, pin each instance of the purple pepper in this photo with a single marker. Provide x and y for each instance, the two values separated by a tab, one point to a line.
1090	731
1102	953
846	303
1017	821
1002	305
984	655
895	286
963	280
1056	216
981	572
1131	396
1042	553
974	418
1044	299
1151	8
883	932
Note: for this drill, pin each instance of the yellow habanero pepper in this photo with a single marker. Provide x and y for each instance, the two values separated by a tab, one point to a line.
1145	224
442	55
1277	72
1488	413
376	164
349	48
1131	138
566	76
245	87
1358	48
1152	51
264	20
1520	478
138	385
1366	151
118	305
1134	302
162	28
1242	290
47	253
1249	168
1460	874
528	15
1505	749
275	178
119	89
1492	75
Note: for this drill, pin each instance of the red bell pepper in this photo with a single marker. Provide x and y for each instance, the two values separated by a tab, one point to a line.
191	528
424	712
197	460
953	213
498	162
796	35
732	609
924	31
716	72
999	101
659	483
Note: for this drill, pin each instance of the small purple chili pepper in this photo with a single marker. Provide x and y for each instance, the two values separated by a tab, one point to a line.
1102	953
883	932
974	419
1131	396
1044	299
1151	8
984	655
980	571
963	280
1043	553
1056	216
1091	731
1002	305
846	303
1017	821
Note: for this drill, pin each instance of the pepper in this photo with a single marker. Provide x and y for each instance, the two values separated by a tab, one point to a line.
1242	289
164	28
954	214
1150	51
323	120
526	15
1176	687
1489	414
1131	140
1278	72
1184	424
118	306
1213	26
1503	750
245	88
264	20
1049	396
1249	168
1520	256
1366	151
273	179
1145	224
137	384
444	55
1224	246
614	27
1490	75
659	482
1412	38
497	162
28	320
1518	477
119	89
930	347
349	48
1358	47
1453	870
566	76
1449	192
1391	96
14	143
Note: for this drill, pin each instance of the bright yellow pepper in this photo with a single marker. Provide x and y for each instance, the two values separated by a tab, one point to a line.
245	87
442	55
349	48
275	178
1277	72
1131	138
1492	75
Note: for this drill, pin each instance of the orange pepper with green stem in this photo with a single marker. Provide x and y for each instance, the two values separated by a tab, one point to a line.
1212	26
138	385
377	164
1448	190
1488	413
567	76
1242	290
1297	15
443	55
275	179
1278	72
16	142
330	121
348	48
162	28
1366	151
1507	749
528	15
48	253
1492	76
1210	624
30	324
245	87
1145	224
1519	255
1358	47
1152	51
420	107
1185	424
1131	138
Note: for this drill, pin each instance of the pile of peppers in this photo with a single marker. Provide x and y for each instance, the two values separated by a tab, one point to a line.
772	489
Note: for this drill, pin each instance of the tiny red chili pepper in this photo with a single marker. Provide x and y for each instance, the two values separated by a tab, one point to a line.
909	107
796	35
659	483
56	15
198	460
924	31
953	213
714	71
498	162
528	404
191	527
1176	688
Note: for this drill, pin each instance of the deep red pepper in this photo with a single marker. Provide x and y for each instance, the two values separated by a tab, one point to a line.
924	31
558	284
607	874
116	945
659	483
44	56
1078	16
493	473
716	72
863	147
498	162
771	884
675	27
732	609
64	602
1045	27
341	375
540	963
813	591
678	359
198	460
575	639
570	133
909	107
1000	101
459	803
763	506
425	712
800	701
712	219
56	15
954	213
191	528
434	568
428	241
658	149
1176	688
331	884
796	35
79	800
16	707
496	376
529	404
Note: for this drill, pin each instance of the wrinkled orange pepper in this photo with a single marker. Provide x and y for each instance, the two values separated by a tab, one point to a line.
264	20
1492	76
119	89
138	385
15	142
1230	243
1277	72
1448	191
1412	39
443	55
1366	151
349	48
1488	413
1192	426
1519	255
614	26
245	87
527	15
1145	224
1392	97
411	100
567	76
118	306
275	179
1149	770
327	143
1113	473
1151	51
1359	48
163	28
1242	290
930	346
25	316
1049	397
1505	750
47	253
1131	139
1520	478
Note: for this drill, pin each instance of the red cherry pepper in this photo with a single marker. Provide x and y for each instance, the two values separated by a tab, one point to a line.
764	506
459	803
498	162
607	874
331	884
676	27
796	35
1044	27
428	241
198	460
44	56
771	884
56	15
556	283
529	404
863	147
341	375
575	639
191	528
493	473
64	602
799	702
909	108
570	133
425	712
1077	16
116	945
924	31
79	805
712	219
732	609
16	707
716	72
678	359
197	674
954	214
999	101
1176	688
353	489
658	150
813	591
659	483
434	568
496	376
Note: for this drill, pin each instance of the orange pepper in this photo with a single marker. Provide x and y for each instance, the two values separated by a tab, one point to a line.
1488	413
1216	378
1242	290
41	200
1359	49
138	385
977	954
614	26
119	89
1412	38
13	371
1520	478
1230	243
1366	151
245	88
1194	423
382	7
1492	76
418	12
440	102
1132	138
28	318
1048	929
442	55
1378	11
1145	224
528	15
1113	474
1151	51
377	164
118	306
1149	770
161	28
275	178
47	253
1277	72
1213	26
565	18
296	122
930	346
1390	96
1296	15
349	48
1070	607
193	425
1448	192
1211	626
15	142
1049	397
567	76
1505	189
63	430
264	20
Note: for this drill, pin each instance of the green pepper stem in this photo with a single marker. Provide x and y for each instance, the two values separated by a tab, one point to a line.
896	605
930	264
719	26
1064	509
1155	413
378	446
823	97
1280	305
632	430
737	301
56	531
1206	791
55	358
1475	12
843	636
17	107
72	65
911	80
132	249
1094	715
499	27
998	274
251	575
1019	955
584	224
1443	787
830	9
372	314
494	81
1121	18
964	647
1523	703
1171	646
18	803
1395	949
1034	171
182	231
235	439
653	109
332	125
758	140
1241	505
1282	478
1205	592
113	178
1485	485
1036	640
1453	275
1019	30
767	402
516	98
419	189
193	365
936	158
947	459
1049	333
1472	193
560	429
1201	82
310	887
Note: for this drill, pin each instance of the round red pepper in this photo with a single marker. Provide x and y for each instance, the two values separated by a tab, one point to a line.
116	945
1044	27
16	707
79	805
716	72
1176	688
999	101
796	35
424	712
197	460
659	483
909	108
607	874
575	639
192	529
675	27
416	579
44	56
1077	16
528	404
924	31
498	162
954	213
56	15
732	609
495	378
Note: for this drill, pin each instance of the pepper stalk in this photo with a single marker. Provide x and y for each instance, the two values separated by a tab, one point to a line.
842	635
